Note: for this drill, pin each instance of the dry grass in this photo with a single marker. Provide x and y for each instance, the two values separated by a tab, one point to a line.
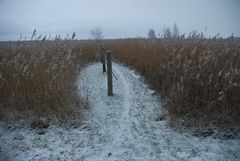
199	79
37	80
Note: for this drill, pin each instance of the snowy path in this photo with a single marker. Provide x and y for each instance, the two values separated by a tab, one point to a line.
118	128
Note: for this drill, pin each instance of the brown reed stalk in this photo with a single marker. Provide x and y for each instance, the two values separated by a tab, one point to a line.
198	78
37	80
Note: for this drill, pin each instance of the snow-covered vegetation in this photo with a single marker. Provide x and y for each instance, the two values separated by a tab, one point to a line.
197	78
194	81
124	127
37	79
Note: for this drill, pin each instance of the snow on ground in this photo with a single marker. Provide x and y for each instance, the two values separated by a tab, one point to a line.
118	128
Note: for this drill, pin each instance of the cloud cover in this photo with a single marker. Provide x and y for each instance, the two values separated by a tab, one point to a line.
119	19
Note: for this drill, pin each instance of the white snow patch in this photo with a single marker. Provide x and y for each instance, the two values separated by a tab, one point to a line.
122	127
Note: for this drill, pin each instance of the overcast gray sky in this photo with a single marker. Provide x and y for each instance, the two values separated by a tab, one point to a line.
118	18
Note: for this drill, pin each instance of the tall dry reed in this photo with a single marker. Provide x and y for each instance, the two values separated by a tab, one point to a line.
197	78
37	79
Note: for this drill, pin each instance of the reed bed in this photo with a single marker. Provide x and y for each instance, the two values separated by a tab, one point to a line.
37	80
198	79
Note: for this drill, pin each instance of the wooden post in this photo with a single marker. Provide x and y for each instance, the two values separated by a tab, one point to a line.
109	73
104	65
103	59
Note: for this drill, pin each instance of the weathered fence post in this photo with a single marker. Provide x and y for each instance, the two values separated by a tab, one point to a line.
109	73
103	59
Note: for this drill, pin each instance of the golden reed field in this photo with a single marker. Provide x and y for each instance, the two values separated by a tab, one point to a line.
37	80
198	79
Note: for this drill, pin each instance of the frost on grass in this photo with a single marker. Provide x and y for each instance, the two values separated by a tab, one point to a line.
37	78
123	127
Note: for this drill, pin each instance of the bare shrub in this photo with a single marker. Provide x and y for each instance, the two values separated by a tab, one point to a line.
151	34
